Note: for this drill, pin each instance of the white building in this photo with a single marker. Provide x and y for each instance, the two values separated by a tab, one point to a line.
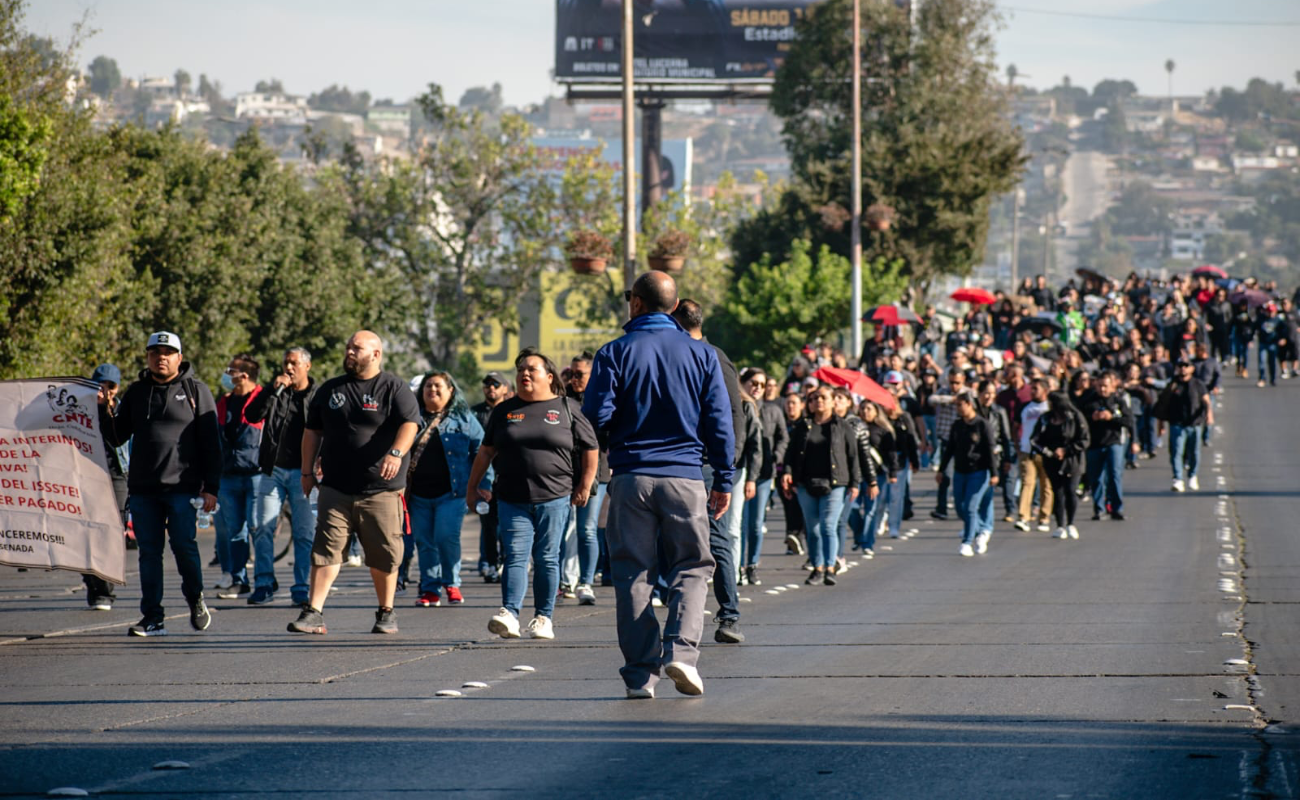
271	107
1192	229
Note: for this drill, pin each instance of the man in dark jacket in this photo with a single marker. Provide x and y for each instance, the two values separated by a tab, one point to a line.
176	469
1111	428
773	438
724	532
1184	406
658	400
281	408
241	449
1005	441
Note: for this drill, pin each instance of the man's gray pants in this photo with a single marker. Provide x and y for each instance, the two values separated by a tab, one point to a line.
648	516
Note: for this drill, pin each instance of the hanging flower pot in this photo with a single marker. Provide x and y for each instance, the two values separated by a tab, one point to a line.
879	216
669	251
588	252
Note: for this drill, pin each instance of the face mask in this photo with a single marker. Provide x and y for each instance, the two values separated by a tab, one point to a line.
227	382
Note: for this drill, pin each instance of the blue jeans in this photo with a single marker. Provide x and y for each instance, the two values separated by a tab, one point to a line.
535	529
1148	439
1010	485
932	438
1240	350
237	496
165	517
1184	450
1106	476
820	518
1268	355
755	514
435	527
869	513
725	555
971	492
588	541
283	484
895	494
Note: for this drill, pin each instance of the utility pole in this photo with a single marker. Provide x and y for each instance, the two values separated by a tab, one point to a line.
629	152
855	306
1015	238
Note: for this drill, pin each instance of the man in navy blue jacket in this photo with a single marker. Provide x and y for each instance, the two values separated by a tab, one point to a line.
657	398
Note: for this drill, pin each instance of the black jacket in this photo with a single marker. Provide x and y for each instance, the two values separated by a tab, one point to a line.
907	439
772	429
177	446
1180	403
750	459
844	468
277	410
1004	444
971	446
1104	433
732	379
1070	434
870	460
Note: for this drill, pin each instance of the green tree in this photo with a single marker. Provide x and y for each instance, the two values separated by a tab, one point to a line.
937	142
341	99
273	86
23	142
105	77
183	82
775	308
466	226
487	100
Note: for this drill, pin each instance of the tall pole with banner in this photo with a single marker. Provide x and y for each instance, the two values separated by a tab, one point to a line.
856	204
629	152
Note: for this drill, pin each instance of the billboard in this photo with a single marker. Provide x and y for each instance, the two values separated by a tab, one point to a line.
677	41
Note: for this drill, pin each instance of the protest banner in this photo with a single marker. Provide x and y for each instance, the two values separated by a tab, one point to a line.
57	509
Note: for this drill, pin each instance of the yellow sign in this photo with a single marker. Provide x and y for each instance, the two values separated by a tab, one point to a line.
556	322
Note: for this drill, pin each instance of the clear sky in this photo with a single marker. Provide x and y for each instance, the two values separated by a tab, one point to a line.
393	48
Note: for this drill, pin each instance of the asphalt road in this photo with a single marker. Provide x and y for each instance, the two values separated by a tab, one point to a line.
1087	194
1045	669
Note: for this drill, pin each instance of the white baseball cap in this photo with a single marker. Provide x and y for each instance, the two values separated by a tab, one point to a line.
164	339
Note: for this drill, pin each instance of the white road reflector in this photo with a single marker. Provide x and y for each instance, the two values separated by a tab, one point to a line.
171	765
473	685
522	668
448	693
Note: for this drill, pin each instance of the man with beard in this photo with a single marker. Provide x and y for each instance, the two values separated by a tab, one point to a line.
362	425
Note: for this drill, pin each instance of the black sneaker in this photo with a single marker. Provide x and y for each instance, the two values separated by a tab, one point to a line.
309	621
200	617
101	603
147	627
262	596
235	592
828	579
215	562
385	621
751	575
937	514
728	632
815	578
1117	517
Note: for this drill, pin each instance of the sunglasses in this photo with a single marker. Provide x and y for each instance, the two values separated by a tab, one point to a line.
627	295
492	384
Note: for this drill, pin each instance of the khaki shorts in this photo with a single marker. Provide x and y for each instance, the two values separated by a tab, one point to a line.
376	518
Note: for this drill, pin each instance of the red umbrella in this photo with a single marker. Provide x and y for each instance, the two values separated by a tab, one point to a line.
857	383
1211	270
892	314
974	295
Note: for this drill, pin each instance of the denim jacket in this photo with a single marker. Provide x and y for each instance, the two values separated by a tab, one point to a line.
461	437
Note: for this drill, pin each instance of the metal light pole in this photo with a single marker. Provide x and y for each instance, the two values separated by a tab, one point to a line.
855	232
629	152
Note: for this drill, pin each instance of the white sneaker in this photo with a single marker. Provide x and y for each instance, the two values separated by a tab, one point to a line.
540	627
1061	533
586	597
685	677
226	581
1044	527
965	550
982	543
656	602
1073	531
354	561
1193	484
1022	525
1178	486
644	693
504	624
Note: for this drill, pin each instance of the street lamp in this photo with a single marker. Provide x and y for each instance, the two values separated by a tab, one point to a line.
855	232
629	150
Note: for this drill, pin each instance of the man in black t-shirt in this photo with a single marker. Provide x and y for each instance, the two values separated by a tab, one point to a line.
496	387
362	425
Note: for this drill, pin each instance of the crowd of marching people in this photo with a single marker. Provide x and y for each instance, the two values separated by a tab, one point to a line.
651	465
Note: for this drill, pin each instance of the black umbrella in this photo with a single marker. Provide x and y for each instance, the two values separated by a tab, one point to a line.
1038	322
1253	298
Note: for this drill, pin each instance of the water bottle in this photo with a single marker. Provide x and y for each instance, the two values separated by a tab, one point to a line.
203	518
482	508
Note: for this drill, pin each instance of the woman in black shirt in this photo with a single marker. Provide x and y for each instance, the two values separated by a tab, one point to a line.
545	454
1061	437
445	446
822	470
